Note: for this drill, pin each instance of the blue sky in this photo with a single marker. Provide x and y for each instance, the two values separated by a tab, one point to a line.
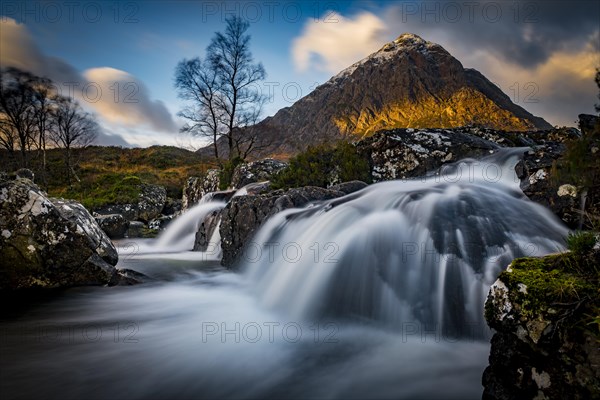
542	54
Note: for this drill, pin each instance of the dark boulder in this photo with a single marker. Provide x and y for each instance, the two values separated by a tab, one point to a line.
206	231
160	223
50	242
256	171
535	170
196	187
151	202
243	215
172	207
114	225
136	229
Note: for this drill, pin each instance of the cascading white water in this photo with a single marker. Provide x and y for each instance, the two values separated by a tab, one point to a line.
181	233
397	252
419	251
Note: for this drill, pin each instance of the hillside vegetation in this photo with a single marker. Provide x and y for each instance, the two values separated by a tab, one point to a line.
112	175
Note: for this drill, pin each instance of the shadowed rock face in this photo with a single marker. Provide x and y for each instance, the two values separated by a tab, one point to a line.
408	83
50	242
244	215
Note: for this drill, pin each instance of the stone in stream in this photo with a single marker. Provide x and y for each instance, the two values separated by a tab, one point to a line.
114	225
196	187
545	343
243	215
50	243
256	171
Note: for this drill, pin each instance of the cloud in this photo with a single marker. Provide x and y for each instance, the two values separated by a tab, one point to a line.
560	89
522	32
334	44
125	99
114	95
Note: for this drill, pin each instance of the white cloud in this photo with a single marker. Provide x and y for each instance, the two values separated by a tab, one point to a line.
117	97
557	89
125	99
337	42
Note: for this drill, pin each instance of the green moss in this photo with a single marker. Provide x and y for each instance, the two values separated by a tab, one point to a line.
562	281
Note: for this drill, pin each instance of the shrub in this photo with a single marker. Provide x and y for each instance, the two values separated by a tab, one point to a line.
324	165
226	172
581	242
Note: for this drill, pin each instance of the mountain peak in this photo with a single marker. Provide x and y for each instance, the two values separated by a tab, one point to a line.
410	38
404	44
408	83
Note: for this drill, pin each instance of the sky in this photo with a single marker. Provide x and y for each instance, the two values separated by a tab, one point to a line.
118	58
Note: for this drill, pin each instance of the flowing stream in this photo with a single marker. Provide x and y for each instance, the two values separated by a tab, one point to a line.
378	294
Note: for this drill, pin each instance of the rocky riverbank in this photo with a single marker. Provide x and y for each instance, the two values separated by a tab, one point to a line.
546	317
51	243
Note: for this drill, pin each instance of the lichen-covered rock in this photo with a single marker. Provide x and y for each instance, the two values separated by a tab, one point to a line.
50	242
127	211
243	215
114	225
151	202
410	153
256	171
545	345
196	187
160	223
534	171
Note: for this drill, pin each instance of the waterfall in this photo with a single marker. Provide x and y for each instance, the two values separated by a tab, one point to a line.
181	233
421	252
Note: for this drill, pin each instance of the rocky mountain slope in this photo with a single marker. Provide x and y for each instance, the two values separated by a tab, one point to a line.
408	83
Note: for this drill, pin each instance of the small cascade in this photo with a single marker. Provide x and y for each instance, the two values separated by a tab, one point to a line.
181	233
421	251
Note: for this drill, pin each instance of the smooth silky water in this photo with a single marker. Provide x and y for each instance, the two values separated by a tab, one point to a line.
378	294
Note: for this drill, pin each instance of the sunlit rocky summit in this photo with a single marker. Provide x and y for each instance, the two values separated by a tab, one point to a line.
408	83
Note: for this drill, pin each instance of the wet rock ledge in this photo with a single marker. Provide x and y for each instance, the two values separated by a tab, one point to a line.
546	314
